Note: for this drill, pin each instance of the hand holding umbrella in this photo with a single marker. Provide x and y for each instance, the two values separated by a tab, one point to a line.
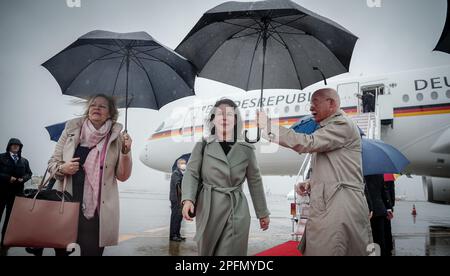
126	143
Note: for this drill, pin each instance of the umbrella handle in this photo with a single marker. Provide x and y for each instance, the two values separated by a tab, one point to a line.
258	137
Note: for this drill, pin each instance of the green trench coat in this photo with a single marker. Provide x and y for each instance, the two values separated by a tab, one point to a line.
223	217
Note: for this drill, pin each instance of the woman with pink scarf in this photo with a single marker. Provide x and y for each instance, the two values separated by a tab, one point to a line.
92	154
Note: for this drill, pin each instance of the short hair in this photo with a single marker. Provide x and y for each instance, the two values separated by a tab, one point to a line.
330	93
112	106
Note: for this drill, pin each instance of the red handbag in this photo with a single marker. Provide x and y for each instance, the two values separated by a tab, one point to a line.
42	223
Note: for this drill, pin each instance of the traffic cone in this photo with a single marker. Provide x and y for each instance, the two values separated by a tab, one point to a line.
414	212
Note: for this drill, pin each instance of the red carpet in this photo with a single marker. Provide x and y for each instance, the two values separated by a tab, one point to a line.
289	248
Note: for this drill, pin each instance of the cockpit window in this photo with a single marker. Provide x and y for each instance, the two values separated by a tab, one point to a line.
160	127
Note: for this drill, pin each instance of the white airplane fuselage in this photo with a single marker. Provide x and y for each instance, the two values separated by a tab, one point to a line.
413	108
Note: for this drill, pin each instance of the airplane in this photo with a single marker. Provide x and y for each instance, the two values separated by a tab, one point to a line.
412	114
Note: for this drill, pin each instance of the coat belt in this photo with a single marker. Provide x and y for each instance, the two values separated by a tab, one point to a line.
207	192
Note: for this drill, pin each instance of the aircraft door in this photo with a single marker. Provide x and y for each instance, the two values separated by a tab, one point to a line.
348	93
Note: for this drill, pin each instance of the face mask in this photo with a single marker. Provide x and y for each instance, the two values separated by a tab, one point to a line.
183	167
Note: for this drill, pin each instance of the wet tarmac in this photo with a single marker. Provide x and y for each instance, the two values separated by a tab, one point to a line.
144	229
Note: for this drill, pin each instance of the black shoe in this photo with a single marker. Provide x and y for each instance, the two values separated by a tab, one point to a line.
176	239
35	251
182	238
4	251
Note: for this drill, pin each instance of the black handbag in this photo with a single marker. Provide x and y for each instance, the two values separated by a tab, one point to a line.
200	183
47	193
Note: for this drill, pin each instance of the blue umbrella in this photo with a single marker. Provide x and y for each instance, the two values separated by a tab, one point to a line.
377	156
306	125
184	156
381	158
55	131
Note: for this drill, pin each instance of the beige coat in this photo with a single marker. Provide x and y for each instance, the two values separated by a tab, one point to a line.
338	222
117	167
223	217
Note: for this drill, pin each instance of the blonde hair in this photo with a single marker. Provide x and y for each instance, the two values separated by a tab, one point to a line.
112	106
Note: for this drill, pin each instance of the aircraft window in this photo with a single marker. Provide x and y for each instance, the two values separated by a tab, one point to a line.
405	98
434	95
448	94
247	113
420	97
297	107
286	110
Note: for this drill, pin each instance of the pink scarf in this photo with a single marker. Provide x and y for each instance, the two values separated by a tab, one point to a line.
97	141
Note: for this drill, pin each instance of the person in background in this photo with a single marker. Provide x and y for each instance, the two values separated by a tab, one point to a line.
93	154
14	172
175	201
389	186
381	209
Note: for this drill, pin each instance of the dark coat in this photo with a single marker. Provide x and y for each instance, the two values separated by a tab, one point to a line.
8	169
175	186
378	199
389	186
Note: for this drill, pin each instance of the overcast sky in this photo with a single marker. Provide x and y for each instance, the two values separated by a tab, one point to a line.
399	35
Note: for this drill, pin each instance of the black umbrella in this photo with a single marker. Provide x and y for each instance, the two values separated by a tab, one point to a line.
133	67
444	43
267	44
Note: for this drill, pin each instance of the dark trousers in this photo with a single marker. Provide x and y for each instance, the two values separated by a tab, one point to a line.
89	236
8	205
389	241
378	233
367	108
175	219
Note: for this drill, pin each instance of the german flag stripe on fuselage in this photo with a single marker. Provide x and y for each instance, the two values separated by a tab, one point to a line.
422	110
288	121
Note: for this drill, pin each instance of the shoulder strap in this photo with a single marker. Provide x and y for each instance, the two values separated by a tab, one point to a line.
201	164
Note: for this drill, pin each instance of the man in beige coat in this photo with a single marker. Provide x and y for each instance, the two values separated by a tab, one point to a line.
338	224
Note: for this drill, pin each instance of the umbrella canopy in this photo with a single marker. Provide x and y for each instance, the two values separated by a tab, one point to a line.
381	158
377	156
133	67
233	41
444	43
306	125
273	44
55	131
391	177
